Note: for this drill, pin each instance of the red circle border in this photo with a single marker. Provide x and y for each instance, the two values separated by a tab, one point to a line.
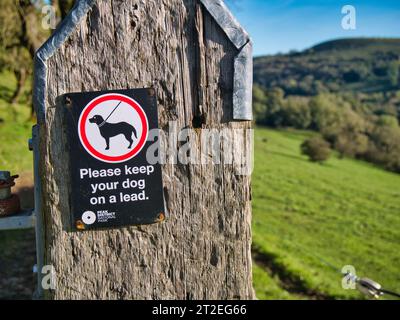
91	106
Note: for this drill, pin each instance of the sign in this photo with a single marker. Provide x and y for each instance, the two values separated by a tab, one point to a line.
113	184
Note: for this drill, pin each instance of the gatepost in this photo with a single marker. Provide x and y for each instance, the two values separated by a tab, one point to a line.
143	152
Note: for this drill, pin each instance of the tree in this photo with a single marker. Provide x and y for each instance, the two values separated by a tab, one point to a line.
297	113
63	7
350	139
387	120
384	147
20	36
393	73
317	149
275	101
351	76
351	144
14	56
259	104
325	113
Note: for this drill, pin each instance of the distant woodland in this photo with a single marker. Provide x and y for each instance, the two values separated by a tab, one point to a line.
348	90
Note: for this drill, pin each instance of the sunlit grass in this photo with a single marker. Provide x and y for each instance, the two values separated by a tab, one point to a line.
345	212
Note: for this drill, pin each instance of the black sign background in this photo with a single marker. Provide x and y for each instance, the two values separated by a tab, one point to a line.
148	211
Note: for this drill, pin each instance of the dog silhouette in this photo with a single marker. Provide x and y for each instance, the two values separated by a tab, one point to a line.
109	130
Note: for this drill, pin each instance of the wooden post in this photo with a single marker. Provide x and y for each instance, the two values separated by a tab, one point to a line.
198	59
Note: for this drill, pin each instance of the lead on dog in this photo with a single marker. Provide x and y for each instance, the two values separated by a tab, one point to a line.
109	130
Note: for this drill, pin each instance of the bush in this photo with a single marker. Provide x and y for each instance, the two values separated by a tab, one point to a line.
267	106
384	148
317	149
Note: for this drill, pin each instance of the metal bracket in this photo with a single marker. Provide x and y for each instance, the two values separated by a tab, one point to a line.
369	287
243	73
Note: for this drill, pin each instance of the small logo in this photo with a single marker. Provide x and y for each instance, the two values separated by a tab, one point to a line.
88	217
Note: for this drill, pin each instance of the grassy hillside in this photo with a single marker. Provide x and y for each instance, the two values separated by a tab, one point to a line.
345	212
356	65
362	44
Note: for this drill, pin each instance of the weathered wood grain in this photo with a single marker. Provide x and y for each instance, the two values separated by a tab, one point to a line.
203	250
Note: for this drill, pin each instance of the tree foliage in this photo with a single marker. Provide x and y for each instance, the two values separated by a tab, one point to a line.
347	90
393	73
21	35
361	65
63	7
352	127
317	149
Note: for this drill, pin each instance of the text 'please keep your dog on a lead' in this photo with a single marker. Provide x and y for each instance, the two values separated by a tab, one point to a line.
128	183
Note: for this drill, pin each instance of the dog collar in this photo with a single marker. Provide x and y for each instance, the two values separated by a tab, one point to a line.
102	124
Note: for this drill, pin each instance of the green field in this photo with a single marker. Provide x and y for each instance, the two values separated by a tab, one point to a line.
345	212
15	130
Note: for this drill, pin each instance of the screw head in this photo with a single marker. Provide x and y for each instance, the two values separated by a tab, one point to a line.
80	225
161	217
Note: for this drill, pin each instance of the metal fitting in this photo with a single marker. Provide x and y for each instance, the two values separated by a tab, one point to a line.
369	287
30	144
9	203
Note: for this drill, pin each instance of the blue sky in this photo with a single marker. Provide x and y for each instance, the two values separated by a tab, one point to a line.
284	25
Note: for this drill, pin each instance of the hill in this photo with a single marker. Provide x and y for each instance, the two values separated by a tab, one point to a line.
347	89
357	65
375	44
311	219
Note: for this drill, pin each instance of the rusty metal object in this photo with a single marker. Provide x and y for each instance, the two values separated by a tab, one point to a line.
161	217
9	203
80	225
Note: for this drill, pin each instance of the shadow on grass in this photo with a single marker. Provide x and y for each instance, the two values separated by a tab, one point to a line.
281	154
298	135
299	158
17	247
288	281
